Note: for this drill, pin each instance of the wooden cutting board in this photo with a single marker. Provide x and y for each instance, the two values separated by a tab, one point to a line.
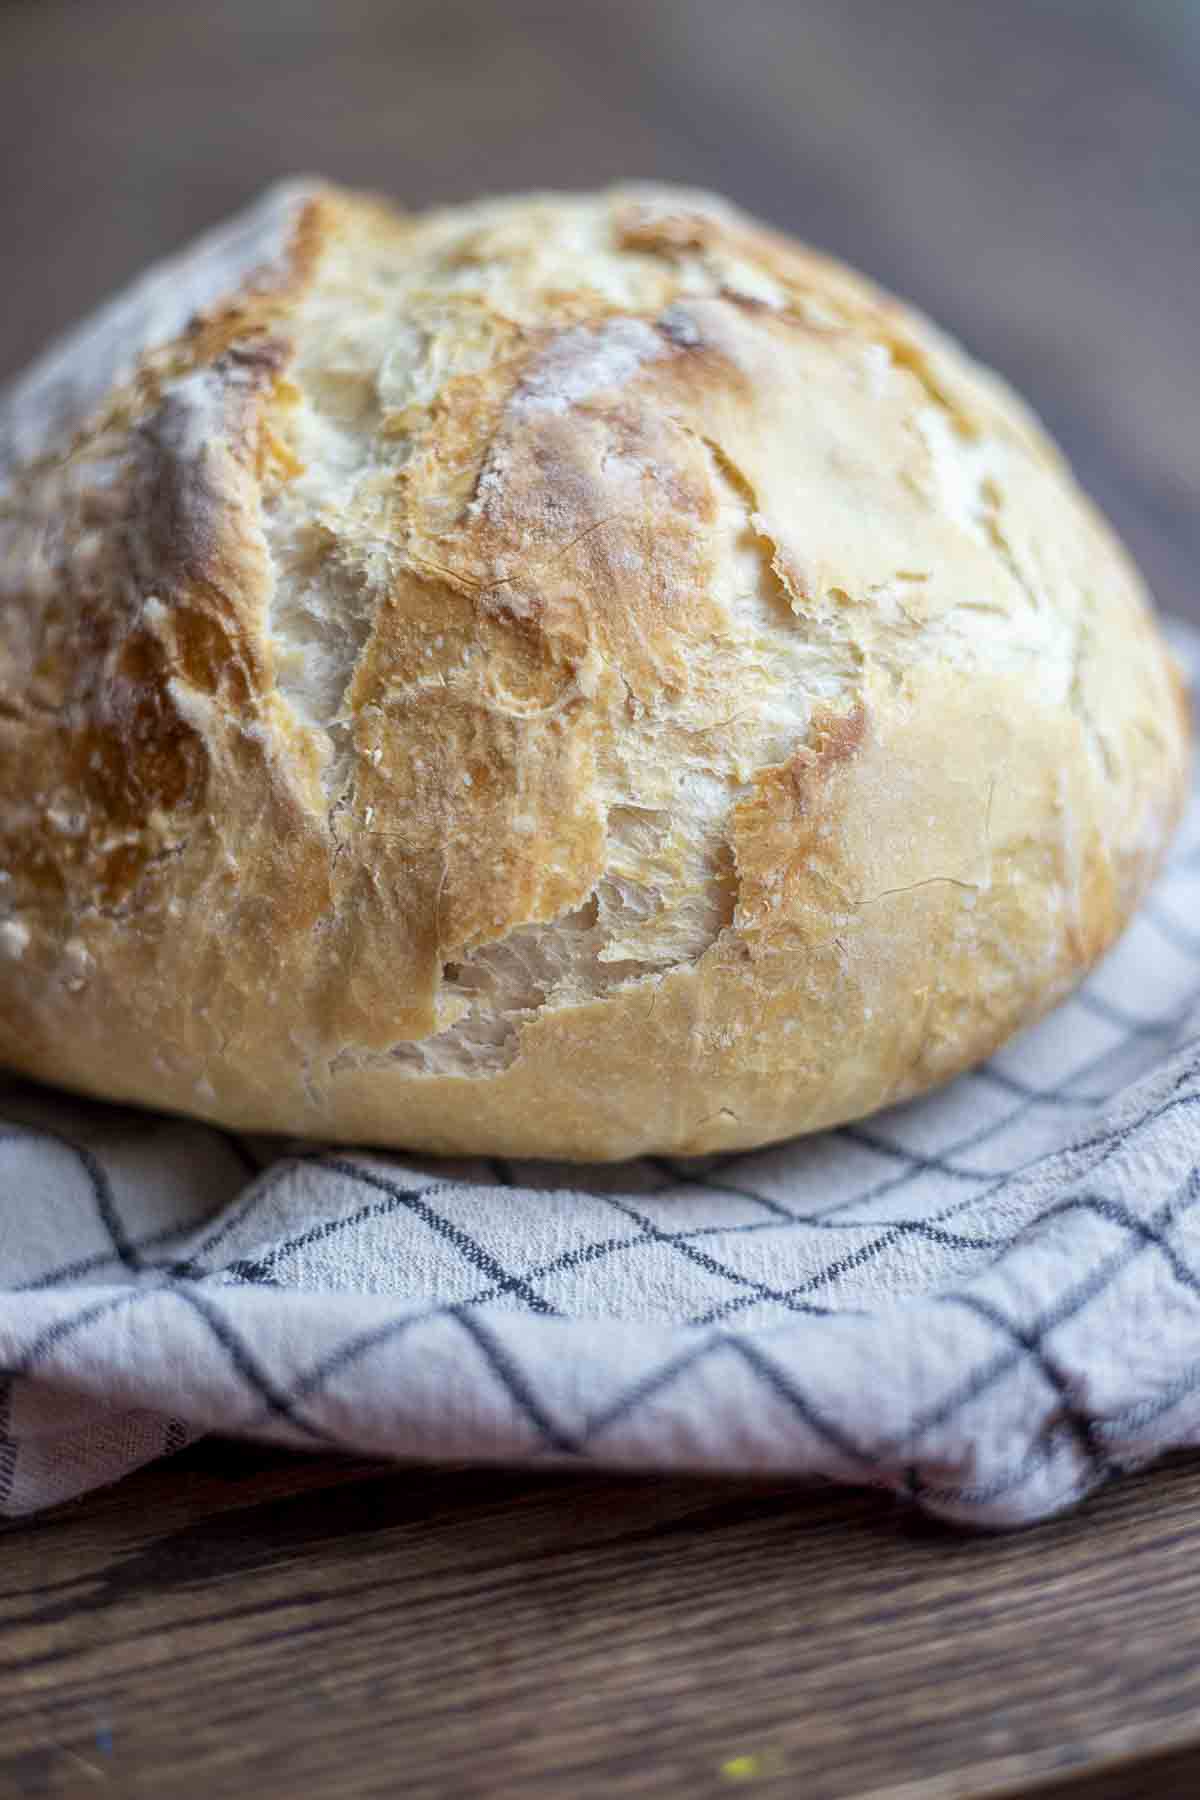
241	1622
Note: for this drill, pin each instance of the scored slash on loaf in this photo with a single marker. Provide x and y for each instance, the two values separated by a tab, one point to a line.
561	676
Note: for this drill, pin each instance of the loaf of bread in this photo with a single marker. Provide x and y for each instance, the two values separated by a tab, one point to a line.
563	676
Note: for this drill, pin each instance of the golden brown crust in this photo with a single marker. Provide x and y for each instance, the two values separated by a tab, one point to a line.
564	677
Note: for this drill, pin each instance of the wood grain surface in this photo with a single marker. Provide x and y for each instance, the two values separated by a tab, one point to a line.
237	1622
241	1623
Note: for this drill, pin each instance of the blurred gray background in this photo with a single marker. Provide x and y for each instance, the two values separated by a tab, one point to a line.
1026	170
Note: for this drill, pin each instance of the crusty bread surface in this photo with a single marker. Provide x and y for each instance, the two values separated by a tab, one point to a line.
563	676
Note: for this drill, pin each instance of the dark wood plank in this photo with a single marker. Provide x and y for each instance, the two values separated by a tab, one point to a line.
1174	1776
238	1622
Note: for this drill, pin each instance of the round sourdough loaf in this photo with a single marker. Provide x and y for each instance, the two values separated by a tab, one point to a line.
563	676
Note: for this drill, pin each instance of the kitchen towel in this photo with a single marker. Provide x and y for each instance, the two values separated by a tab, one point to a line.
987	1300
